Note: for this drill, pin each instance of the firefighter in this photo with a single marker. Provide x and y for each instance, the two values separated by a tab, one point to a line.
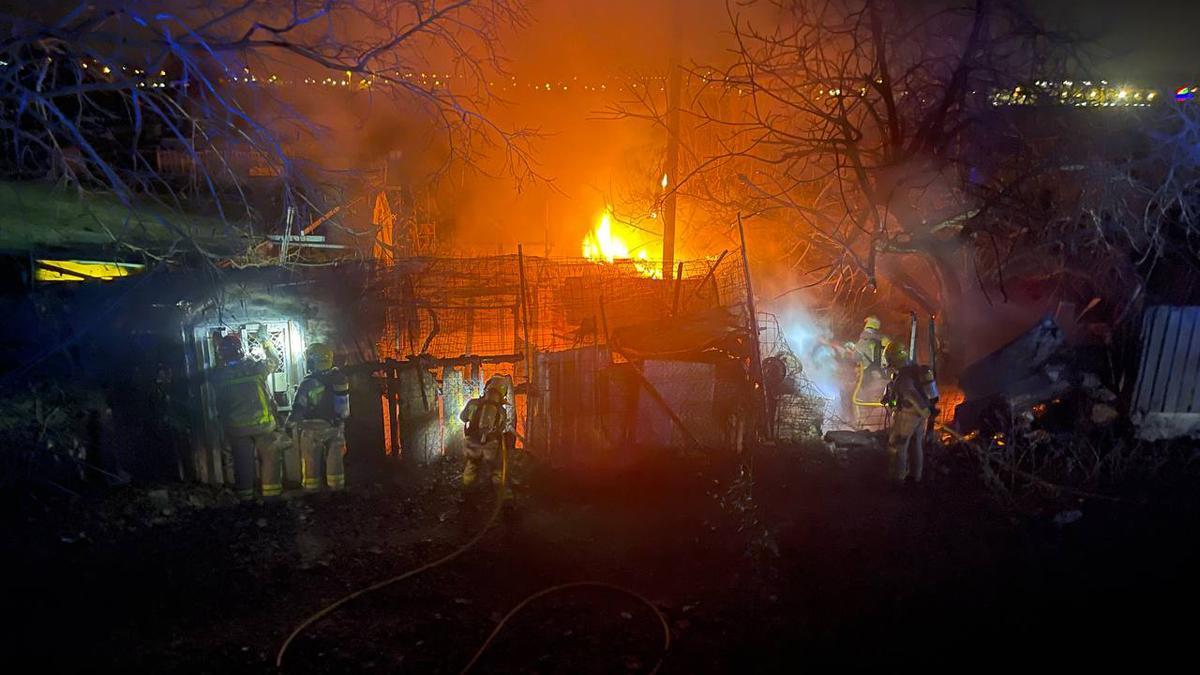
246	410
871	381
319	411
911	396
490	429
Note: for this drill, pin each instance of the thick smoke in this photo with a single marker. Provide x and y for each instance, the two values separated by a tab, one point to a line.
815	344
549	82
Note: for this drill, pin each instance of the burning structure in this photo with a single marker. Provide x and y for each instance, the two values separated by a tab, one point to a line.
607	356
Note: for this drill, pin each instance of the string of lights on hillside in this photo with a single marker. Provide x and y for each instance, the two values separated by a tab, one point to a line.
352	81
1082	93
1079	94
1073	93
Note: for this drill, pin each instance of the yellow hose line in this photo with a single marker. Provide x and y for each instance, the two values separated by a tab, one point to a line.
858	390
569	586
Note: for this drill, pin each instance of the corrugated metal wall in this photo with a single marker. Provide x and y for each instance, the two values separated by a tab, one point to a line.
1170	366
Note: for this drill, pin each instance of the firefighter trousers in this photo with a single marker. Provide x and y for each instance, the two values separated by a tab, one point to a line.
489	456
322	453
257	453
906	444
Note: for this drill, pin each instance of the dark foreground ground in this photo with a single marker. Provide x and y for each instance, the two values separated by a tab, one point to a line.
847	575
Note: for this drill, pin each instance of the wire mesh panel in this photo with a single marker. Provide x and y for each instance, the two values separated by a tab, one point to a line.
800	416
450	307
800	411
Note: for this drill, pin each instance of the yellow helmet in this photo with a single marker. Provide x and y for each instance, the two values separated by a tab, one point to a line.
872	323
895	353
498	387
319	356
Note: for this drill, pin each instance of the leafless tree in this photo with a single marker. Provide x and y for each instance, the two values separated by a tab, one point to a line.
1115	216
867	128
91	93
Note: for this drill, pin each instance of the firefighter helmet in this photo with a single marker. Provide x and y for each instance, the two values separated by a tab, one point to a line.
229	347
896	354
319	357
498	387
872	323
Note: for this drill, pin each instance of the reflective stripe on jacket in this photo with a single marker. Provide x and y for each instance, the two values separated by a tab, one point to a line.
316	394
244	402
870	350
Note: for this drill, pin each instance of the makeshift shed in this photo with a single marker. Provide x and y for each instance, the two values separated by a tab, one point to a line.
578	334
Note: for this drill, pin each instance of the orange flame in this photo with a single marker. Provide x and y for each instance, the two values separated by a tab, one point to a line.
603	245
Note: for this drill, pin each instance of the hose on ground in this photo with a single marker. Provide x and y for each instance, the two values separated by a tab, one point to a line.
500	501
570	586
386	582
325	611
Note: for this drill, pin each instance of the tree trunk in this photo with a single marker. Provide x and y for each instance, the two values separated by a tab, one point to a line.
953	307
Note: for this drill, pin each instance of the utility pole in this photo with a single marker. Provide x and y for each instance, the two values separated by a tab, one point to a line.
670	179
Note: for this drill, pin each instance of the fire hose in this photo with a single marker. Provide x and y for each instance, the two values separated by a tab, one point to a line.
500	501
566	587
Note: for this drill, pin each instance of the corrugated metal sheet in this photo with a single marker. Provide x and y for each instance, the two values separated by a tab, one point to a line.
1170	365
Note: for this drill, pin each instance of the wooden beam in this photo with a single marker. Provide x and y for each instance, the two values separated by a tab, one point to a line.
528	339
756	372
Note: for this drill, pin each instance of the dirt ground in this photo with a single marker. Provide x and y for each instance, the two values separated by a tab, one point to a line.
823	568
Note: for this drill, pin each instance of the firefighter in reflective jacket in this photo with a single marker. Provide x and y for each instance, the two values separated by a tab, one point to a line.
912	396
871	382
320	409
247	413
490	433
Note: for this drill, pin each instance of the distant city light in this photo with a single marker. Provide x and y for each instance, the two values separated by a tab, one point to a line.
1079	94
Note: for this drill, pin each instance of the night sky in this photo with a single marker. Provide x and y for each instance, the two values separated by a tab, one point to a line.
1140	42
1143	42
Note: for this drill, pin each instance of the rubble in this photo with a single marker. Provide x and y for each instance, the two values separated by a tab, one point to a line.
1026	365
160	499
1013	389
1064	518
1030	370
1104	414
1161	426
